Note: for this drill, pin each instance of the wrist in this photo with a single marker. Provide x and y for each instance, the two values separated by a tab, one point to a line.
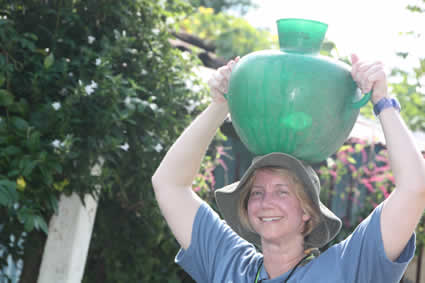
384	103
220	107
377	99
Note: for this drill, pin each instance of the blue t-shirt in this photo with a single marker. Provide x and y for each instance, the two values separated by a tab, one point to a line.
218	255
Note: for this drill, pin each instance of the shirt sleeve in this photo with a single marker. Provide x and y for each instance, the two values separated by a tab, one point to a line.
363	255
216	251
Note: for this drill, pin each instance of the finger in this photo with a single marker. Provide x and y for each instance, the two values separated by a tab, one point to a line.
223	75
378	75
366	87
364	66
234	62
370	73
222	84
215	80
226	72
360	75
231	66
354	66
361	68
354	58
366	73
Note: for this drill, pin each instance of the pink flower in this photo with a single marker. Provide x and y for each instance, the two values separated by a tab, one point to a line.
333	174
377	178
383	168
381	158
367	171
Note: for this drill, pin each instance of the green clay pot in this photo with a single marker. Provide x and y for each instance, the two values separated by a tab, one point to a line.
294	100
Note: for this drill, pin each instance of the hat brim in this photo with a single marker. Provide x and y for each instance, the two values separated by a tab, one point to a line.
227	199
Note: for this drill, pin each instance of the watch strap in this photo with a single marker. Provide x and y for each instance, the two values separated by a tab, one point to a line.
384	103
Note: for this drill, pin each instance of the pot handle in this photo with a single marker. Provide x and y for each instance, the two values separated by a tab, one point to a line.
362	102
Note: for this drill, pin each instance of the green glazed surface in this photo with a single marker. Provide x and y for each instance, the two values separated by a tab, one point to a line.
301	103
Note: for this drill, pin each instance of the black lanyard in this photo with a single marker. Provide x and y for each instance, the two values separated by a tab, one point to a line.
305	259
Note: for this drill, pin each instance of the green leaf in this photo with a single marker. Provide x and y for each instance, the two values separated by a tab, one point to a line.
47	177
13	173
2	79
4	197
8	193
27	44
34	141
19	123
58	168
11	150
9	185
29	167
28	222
6	97
31	36
53	202
49	60
351	160
39	223
20	107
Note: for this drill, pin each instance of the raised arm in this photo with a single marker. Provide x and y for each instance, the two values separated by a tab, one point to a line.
173	179
404	207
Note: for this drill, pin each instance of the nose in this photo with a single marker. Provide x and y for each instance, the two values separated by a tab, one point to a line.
268	200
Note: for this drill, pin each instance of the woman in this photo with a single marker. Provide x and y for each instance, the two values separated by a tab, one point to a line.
276	206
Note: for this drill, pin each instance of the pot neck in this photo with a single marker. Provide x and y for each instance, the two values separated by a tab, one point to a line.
300	35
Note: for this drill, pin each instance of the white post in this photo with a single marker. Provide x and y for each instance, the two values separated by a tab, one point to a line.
65	253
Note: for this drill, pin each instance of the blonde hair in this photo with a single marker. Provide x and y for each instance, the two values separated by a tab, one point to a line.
305	201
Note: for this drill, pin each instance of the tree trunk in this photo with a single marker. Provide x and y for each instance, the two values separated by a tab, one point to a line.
33	252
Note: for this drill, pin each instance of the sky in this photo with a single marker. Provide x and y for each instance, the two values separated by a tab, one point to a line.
369	28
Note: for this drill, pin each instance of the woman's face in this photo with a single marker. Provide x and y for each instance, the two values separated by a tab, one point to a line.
274	211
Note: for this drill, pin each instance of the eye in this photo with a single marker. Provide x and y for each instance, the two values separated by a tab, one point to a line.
256	193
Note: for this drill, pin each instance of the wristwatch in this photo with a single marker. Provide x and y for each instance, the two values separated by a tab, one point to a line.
386	103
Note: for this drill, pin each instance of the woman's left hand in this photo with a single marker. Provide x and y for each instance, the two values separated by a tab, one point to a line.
370	76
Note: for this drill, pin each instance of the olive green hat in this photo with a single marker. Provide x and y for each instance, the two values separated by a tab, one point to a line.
228	200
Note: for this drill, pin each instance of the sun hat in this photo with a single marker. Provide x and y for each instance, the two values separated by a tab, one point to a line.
227	199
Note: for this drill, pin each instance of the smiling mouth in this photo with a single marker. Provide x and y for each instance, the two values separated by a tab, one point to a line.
270	219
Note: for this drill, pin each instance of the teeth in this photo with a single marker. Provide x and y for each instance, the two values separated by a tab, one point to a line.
270	219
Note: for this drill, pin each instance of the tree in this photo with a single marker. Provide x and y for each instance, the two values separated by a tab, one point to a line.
241	6
408	84
91	96
231	35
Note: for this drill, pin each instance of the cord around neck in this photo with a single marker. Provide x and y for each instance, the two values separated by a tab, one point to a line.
310	254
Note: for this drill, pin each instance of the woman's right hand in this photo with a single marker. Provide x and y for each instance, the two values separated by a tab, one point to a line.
219	81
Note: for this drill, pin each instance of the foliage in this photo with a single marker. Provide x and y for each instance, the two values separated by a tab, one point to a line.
408	83
91	96
242	6
418	7
205	180
232	35
355	180
409	88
